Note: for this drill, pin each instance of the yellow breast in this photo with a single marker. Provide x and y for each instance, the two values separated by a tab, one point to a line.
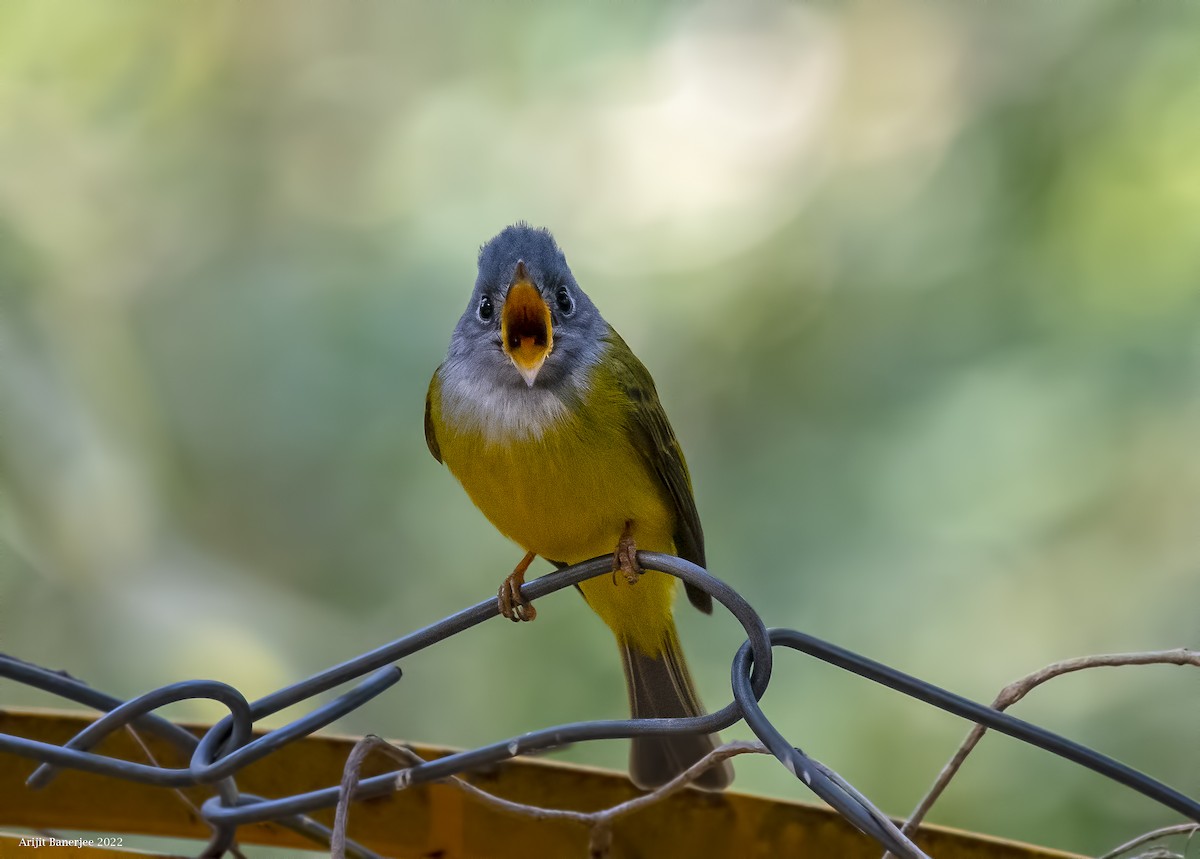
566	493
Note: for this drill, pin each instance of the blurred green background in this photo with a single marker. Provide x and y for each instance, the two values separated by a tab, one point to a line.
920	287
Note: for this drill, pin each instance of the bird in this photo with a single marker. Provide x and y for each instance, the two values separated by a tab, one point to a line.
555	430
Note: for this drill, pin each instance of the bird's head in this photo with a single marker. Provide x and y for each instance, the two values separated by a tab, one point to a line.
528	323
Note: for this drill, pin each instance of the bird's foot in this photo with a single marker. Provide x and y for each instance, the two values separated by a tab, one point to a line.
625	557
513	605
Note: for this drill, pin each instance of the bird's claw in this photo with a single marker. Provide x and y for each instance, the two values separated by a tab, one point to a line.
625	557
512	603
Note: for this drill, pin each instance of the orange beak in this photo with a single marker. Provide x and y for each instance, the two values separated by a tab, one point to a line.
525	326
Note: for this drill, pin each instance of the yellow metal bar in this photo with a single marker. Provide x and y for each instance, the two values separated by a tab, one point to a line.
439	821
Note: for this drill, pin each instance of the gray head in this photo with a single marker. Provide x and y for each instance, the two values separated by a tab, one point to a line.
528	323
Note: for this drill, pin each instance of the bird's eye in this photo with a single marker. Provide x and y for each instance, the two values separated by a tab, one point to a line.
485	308
566	304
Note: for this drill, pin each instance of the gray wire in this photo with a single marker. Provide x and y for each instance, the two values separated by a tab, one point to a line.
227	747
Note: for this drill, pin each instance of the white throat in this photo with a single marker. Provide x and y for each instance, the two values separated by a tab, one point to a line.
472	402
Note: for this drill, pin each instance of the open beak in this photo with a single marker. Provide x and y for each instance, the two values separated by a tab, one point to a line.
525	326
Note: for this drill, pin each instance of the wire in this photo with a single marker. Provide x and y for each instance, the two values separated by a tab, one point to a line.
229	746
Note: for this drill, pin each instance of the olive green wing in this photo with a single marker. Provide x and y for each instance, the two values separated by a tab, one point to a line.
430	433
651	434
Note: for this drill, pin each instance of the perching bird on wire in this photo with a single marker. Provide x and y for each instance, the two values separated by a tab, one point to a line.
554	428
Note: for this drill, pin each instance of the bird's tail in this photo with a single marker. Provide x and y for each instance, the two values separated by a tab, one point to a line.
660	687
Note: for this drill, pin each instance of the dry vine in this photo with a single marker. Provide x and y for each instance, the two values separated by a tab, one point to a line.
598	822
1014	692
1190	829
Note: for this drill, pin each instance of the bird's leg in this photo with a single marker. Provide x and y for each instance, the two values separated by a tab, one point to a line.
512	605
625	557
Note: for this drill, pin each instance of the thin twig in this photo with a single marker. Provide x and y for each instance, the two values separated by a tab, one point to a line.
599	822
350	777
1015	691
137	738
1190	828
